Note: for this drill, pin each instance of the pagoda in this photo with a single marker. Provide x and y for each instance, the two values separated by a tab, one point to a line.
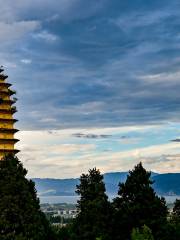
7	130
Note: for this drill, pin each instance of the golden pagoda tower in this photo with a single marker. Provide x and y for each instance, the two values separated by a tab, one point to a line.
7	121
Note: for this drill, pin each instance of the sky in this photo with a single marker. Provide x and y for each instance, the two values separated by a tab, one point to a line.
98	83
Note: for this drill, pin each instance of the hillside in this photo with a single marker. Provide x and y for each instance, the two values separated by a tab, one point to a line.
164	184
167	184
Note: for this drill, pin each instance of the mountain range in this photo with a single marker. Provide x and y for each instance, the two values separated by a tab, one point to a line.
164	184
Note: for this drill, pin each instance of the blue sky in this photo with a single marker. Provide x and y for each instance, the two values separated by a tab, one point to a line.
97	81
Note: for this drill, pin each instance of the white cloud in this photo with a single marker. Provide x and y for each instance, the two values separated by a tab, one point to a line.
166	78
142	19
26	61
16	30
153	158
46	36
57	154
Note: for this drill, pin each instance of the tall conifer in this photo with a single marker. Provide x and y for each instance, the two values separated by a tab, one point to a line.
138	205
20	214
93	220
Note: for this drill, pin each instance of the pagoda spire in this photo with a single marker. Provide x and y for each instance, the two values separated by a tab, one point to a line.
7	109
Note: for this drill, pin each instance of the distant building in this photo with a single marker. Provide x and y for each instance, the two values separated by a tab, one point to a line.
66	213
7	130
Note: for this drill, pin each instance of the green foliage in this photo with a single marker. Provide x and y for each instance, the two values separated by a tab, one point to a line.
173	230
138	205
143	234
20	214
176	209
93	220
59	219
62	233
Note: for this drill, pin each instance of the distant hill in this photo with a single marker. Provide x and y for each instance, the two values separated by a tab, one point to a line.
112	180
167	184
56	187
164	184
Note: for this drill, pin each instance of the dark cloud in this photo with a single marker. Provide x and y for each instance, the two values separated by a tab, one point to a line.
124	137
109	64
176	140
90	135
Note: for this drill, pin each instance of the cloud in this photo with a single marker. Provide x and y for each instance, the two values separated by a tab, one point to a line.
144	18
165	78
175	140
157	158
99	72
59	154
46	36
26	61
65	9
59	150
84	78
90	135
129	140
87	70
16	30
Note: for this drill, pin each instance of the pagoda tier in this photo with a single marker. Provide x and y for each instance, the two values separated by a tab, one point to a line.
7	92
8	111
7	130
4	84
7	151
7	102
10	130
3	77
8	140
4	152
6	120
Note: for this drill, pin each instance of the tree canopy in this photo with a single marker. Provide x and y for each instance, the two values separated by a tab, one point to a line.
137	204
20	214
142	234
93	220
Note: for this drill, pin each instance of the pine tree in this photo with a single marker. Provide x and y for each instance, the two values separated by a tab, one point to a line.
93	220
20	214
138	205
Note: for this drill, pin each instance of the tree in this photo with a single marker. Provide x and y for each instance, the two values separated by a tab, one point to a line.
20	214
174	224
138	205
143	234
62	233
93	220
176	210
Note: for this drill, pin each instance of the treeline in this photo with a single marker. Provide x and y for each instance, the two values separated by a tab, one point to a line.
137	213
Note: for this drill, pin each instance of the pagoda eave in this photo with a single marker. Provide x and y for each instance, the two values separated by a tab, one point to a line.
7	111
8	102
8	120
3	77
5	84
10	140
10	151
7	93
8	130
